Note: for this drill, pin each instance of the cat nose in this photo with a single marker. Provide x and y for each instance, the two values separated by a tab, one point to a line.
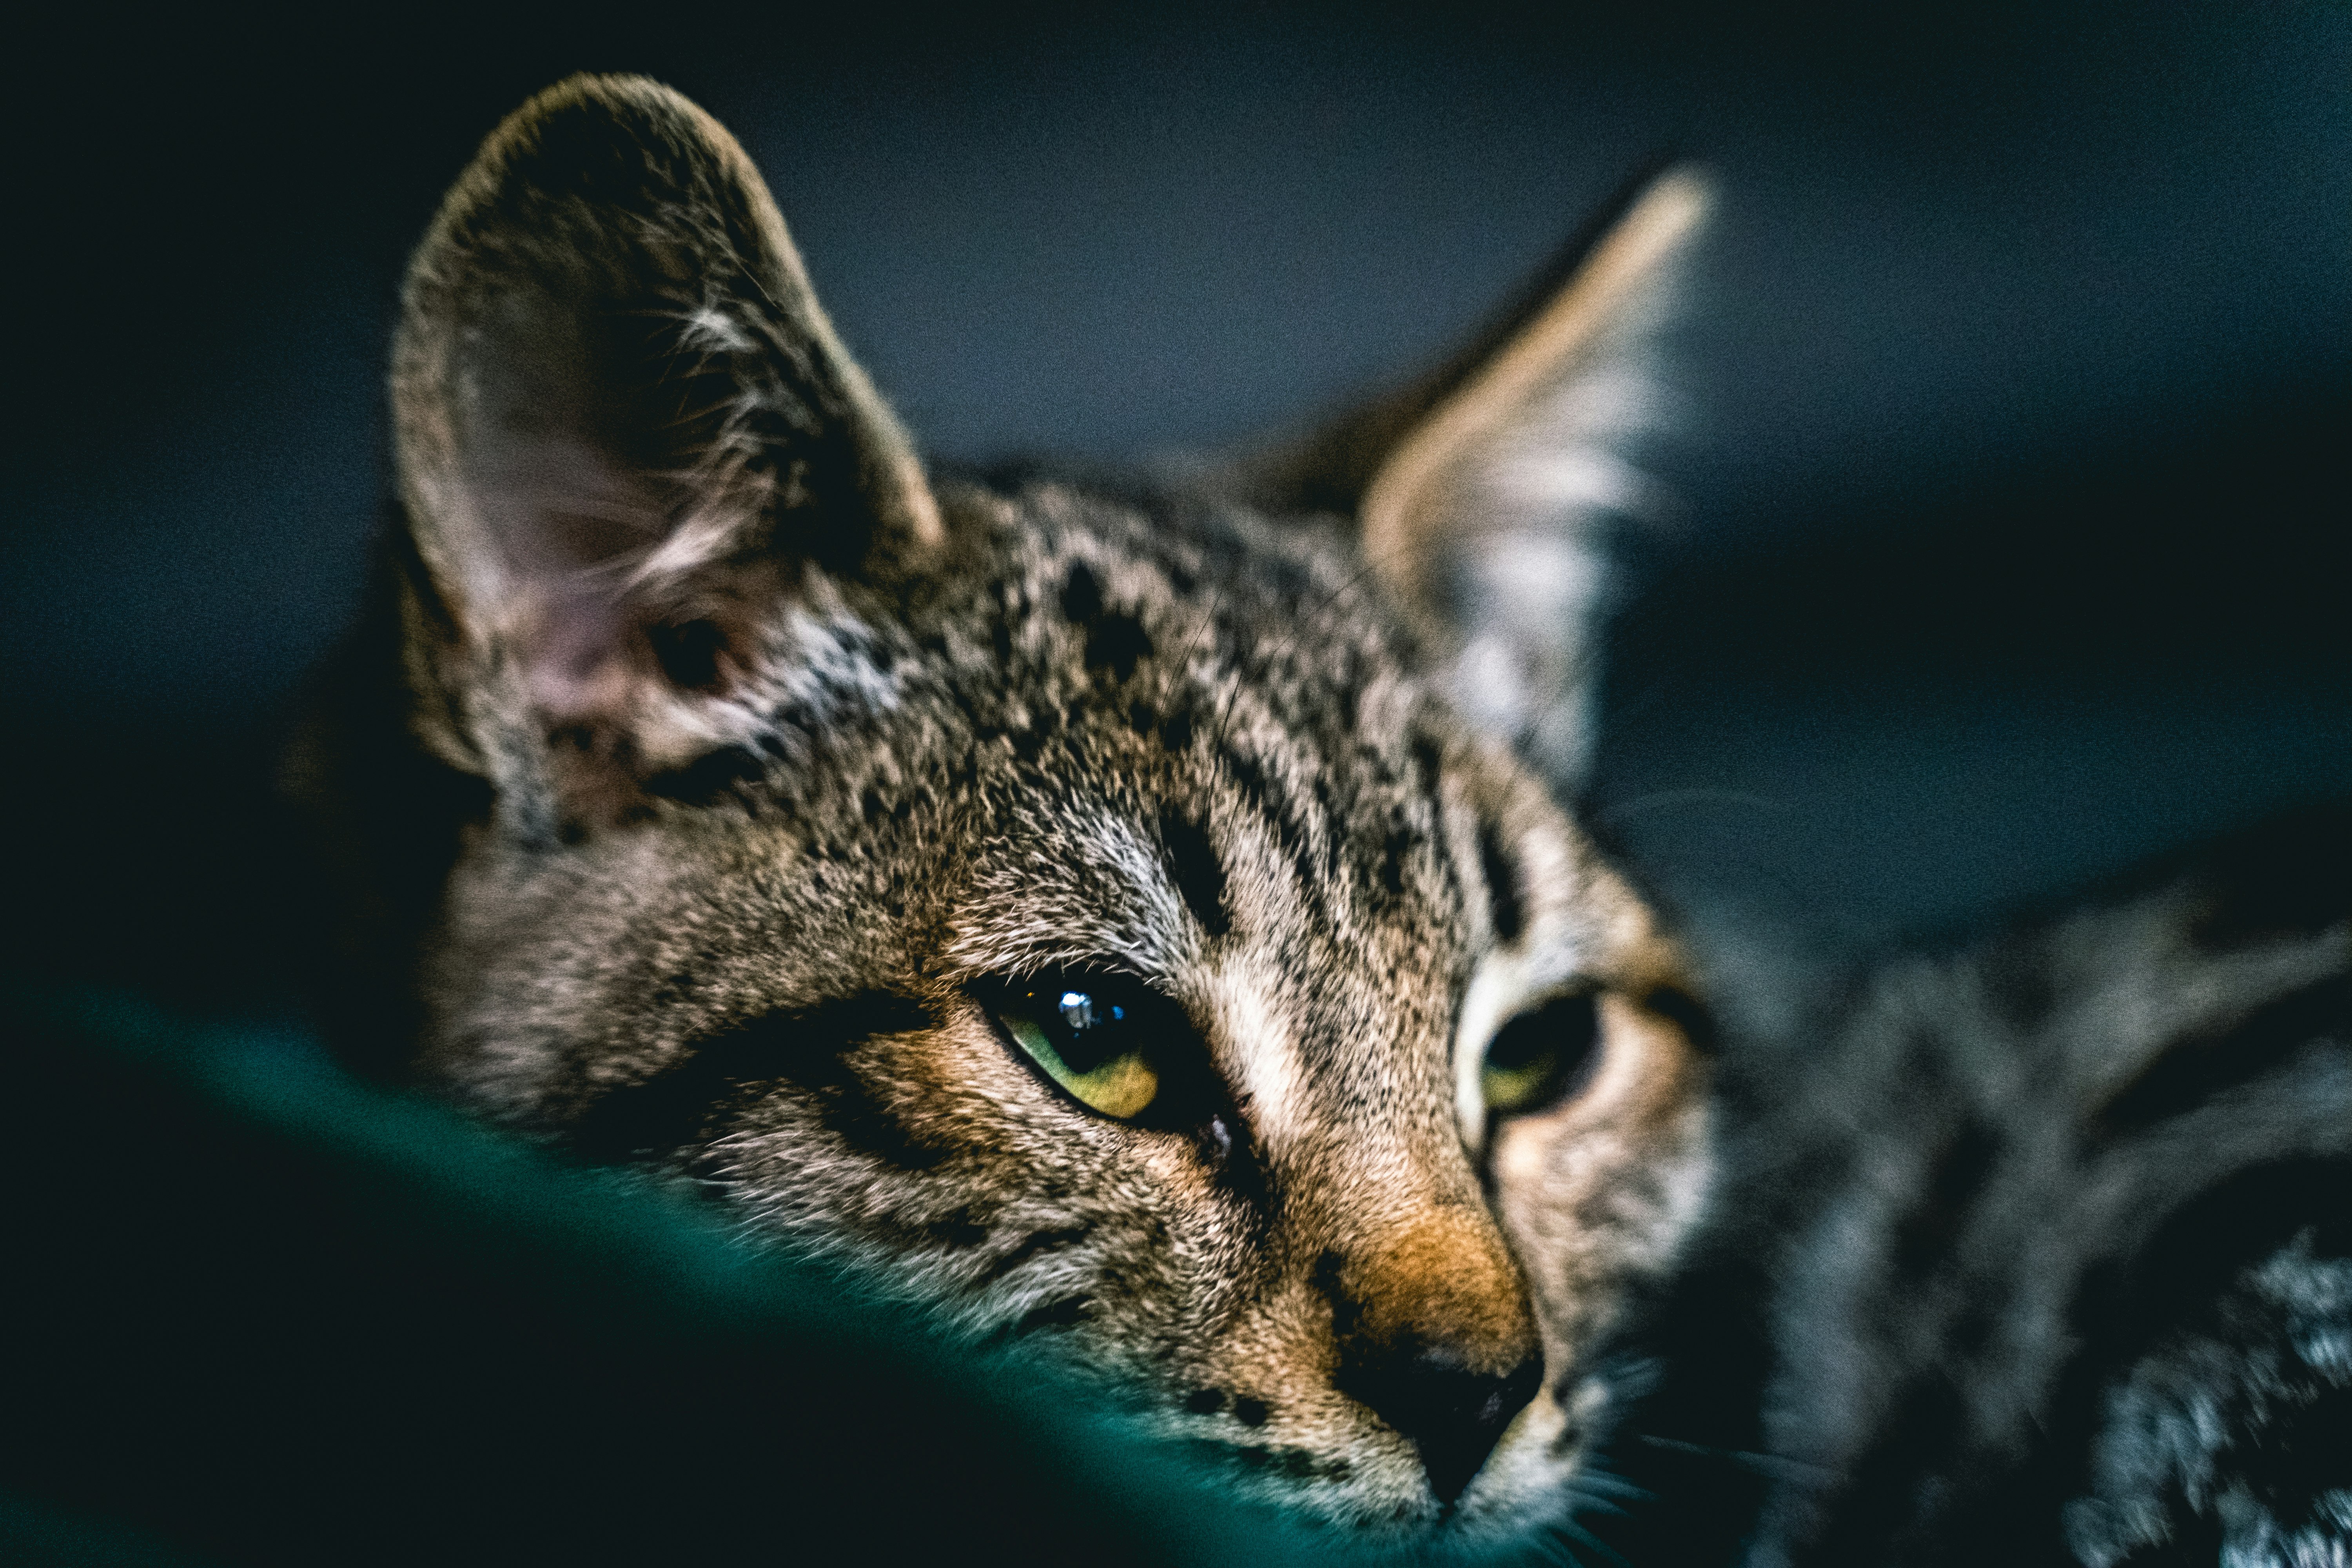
1437	1338
1452	1412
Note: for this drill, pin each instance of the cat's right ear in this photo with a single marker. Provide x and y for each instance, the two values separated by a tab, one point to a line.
1486	491
628	444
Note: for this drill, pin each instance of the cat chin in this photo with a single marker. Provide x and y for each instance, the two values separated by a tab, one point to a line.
1530	1488
1533	1478
1375	1500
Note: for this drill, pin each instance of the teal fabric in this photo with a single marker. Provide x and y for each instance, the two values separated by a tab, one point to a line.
34	1533
268	1314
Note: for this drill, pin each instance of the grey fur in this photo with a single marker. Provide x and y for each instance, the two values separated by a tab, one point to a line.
2202	1431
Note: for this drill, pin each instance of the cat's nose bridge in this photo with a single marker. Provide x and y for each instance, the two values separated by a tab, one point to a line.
1440	1277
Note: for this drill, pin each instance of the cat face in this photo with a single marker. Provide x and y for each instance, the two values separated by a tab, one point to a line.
1085	914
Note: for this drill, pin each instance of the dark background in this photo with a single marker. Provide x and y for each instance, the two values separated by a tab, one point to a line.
2011	544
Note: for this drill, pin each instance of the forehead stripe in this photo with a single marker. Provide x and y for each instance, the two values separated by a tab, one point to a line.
1502	874
1199	874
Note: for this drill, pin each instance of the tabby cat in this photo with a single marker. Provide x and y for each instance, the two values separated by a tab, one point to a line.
1087	908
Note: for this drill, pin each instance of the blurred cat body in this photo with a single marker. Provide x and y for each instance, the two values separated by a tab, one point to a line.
714	789
2032	1247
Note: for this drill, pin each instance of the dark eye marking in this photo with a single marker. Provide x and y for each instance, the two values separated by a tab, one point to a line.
1199	873
1543	1056
677	1106
1502	874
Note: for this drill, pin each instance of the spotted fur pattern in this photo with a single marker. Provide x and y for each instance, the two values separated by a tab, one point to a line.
745	757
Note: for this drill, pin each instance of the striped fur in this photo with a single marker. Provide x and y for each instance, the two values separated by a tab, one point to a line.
2037	1251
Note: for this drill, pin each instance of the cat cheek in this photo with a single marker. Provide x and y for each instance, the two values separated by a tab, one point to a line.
1651	1069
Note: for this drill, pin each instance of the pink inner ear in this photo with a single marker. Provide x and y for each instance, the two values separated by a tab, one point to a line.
568	530
576	667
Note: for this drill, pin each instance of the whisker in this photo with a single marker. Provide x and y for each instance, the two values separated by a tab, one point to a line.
1602	1481
1574	1534
1768	1463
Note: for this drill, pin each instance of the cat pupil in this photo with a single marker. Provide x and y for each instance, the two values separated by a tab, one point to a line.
1086	1039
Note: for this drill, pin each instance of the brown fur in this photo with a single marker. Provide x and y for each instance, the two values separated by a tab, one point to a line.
757	757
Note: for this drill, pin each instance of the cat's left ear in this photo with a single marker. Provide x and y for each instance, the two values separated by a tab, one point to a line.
1485	493
629	445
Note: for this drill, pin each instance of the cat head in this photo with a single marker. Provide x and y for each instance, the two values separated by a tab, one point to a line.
1089	913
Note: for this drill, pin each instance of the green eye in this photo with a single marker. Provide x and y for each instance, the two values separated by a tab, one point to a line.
1541	1056
1094	1034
